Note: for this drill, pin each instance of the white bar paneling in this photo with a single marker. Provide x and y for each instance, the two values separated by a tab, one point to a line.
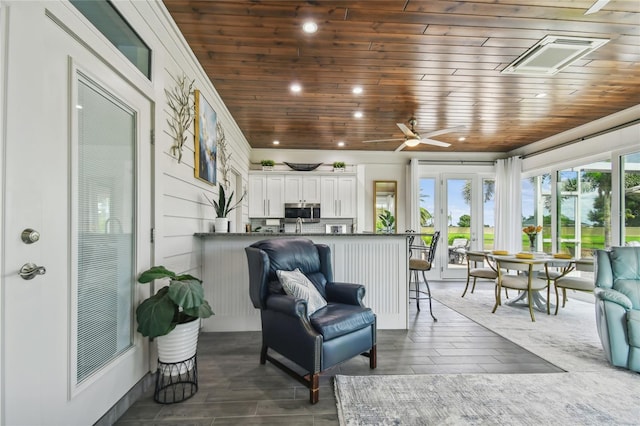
377	262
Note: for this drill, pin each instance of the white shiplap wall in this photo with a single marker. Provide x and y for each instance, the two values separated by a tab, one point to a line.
180	206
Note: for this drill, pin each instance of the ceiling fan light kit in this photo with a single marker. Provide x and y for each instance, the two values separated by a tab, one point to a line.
412	138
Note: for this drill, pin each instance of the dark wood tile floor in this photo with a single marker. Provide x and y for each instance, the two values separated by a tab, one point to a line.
234	389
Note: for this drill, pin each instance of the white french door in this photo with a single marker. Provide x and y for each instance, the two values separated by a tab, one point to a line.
78	173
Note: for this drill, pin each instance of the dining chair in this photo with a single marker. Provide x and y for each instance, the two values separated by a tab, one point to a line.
421	260
476	269
526	278
575	282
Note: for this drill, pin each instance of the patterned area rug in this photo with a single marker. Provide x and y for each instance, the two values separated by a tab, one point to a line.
590	393
569	340
489	399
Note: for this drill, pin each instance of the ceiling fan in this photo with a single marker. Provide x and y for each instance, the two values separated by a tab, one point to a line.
412	137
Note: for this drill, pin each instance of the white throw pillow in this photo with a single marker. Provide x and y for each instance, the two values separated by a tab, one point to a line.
296	284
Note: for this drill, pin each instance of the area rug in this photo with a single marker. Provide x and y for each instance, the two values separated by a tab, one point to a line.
489	399
568	340
591	392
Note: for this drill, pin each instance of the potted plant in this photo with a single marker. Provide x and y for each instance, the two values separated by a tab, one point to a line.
222	208
387	220
338	166
267	164
173	314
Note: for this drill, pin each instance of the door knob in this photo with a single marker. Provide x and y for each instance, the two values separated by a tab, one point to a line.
30	236
30	270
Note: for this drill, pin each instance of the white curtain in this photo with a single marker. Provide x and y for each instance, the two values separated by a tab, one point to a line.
414	196
508	232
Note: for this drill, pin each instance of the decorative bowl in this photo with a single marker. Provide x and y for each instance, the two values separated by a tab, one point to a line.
303	167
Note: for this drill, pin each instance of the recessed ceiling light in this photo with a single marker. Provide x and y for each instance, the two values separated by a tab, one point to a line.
310	27
276	142
541	95
357	90
462	138
296	88
358	114
340	143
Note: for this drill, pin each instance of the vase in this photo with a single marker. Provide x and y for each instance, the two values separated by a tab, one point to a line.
532	242
221	225
179	345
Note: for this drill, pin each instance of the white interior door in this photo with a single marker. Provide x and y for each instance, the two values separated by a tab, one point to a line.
78	172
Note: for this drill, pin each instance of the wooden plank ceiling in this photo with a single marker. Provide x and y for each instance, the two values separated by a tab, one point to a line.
439	61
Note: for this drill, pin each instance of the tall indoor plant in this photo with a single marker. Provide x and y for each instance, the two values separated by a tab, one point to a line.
174	312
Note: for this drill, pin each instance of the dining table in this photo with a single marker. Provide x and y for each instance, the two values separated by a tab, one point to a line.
555	266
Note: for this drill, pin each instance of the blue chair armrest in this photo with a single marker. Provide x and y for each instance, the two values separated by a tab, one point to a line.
610	295
349	294
288	305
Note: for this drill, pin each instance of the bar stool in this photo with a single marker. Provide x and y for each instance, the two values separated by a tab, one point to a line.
420	260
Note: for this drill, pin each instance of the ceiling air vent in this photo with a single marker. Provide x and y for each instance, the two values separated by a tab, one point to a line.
552	54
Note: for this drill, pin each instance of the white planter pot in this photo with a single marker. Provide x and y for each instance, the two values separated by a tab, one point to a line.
221	224
180	344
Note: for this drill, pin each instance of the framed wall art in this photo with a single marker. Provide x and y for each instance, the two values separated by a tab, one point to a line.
206	148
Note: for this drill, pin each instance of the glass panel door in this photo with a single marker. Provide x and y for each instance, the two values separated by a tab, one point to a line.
459	198
631	199
105	227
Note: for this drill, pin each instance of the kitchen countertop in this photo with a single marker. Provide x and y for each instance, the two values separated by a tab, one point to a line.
293	234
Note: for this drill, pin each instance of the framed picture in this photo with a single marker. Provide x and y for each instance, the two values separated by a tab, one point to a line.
206	148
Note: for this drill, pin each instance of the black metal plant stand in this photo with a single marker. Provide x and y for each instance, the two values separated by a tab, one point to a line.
176	381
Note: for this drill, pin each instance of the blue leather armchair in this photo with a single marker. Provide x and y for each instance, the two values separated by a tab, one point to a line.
618	305
333	334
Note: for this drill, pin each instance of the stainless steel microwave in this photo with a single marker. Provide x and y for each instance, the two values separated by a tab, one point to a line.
307	212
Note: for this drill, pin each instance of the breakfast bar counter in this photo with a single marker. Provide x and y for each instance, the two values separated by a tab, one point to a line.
378	261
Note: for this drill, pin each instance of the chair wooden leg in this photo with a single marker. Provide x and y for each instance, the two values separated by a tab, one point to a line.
557	300
497	290
531	305
373	357
564	297
263	354
314	388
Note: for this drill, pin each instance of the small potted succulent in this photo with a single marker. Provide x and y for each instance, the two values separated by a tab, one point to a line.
222	208
267	164
338	166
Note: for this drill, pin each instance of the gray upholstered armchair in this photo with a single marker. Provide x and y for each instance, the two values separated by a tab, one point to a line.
618	305
332	334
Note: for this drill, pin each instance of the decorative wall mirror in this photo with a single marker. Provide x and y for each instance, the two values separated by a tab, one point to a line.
385	206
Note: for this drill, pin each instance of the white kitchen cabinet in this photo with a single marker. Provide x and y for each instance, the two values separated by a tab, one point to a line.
338	196
302	189
266	196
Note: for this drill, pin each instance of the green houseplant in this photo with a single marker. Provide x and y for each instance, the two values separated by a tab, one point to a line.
182	301
339	165
387	221
267	164
223	207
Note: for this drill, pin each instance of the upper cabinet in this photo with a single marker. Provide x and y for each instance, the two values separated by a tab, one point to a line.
302	189
266	195
338	196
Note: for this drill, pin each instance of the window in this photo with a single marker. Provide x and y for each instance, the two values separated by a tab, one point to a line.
488	213
113	26
536	210
584	208
631	199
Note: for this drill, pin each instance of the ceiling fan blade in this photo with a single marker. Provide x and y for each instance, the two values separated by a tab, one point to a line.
596	6
406	130
443	131
434	142
401	147
384	140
